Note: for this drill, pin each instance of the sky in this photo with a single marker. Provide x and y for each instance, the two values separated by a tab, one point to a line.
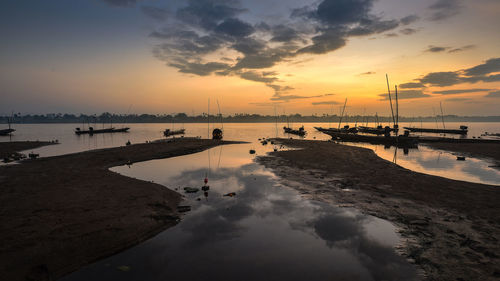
255	56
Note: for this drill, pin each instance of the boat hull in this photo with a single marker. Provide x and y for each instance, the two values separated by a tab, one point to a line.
102	131
437	131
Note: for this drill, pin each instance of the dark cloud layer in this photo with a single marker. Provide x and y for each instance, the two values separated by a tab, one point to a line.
198	32
485	72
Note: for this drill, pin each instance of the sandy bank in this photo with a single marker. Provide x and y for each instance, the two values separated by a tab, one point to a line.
9	148
479	150
450	228
59	213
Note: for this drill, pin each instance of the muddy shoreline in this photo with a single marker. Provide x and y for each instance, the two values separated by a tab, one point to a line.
9	148
60	213
450	229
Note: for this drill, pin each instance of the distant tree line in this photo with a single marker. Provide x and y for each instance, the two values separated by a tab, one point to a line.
107	117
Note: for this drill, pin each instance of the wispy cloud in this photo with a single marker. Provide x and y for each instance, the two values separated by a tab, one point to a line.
462	91
325	103
407	94
495	94
444	9
484	72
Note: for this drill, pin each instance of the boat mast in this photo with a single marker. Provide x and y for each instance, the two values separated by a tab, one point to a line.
397	106
220	116
390	99
341	115
442	116
208	122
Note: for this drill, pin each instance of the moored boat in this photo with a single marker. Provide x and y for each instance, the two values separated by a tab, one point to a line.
462	131
91	131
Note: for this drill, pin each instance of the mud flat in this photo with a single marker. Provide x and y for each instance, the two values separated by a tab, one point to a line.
450	229
60	213
9	148
480	150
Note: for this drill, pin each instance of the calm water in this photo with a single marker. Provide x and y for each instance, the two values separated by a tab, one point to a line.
266	232
423	160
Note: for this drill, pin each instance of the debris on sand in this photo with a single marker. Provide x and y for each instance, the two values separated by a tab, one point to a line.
188	189
183	208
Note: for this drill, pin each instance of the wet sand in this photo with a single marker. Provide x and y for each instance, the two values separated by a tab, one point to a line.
13	147
450	229
479	150
60	213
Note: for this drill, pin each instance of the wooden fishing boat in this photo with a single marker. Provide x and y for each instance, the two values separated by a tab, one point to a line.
401	141
299	132
91	131
462	131
6	132
345	130
168	132
379	130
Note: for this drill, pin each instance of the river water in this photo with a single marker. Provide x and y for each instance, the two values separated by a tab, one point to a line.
423	159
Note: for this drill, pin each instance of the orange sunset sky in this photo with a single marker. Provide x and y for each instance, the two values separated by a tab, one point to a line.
91	56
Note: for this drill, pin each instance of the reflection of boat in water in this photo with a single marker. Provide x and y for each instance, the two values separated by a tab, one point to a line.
462	131
168	132
299	132
91	131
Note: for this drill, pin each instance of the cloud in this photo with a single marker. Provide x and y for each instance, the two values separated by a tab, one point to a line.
411	85
259	77
441	79
407	94
408	31
235	27
495	94
436	49
490	66
444	9
461	49
121	3
453	92
155	12
480	73
204	37
325	103
409	19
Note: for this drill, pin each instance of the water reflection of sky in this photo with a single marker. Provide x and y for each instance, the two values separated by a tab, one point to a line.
440	163
266	232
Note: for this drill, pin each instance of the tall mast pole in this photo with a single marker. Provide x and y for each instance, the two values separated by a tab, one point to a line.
341	115
390	99
397	106
442	115
208	120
